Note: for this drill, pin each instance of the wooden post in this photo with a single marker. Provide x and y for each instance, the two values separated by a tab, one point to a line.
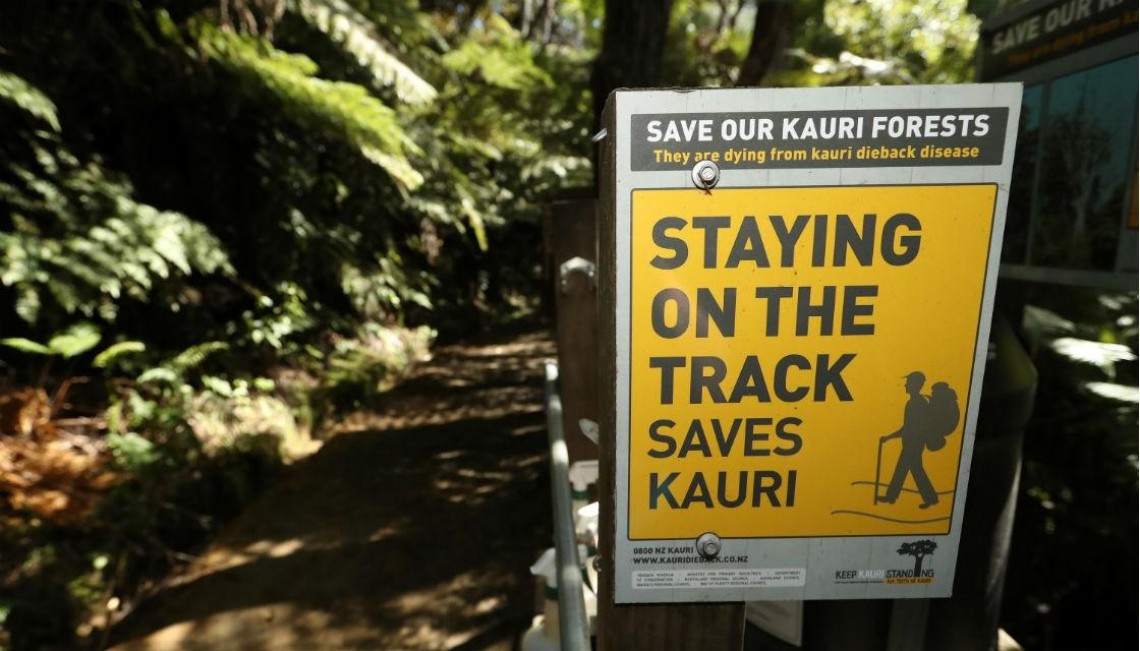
572	228
682	627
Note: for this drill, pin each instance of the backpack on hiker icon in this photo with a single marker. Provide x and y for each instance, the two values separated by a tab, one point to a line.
943	414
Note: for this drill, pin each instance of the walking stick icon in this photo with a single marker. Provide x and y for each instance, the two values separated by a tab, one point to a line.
878	470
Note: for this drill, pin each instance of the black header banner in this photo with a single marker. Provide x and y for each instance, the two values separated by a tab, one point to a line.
819	139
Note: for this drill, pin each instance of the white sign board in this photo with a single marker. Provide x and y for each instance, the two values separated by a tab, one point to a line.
800	346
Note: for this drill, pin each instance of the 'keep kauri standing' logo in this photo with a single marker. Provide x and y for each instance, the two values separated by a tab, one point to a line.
919	549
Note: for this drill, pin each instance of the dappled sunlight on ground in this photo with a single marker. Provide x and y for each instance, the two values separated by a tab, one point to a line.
412	528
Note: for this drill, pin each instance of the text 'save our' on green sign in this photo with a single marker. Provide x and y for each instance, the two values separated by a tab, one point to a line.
799	349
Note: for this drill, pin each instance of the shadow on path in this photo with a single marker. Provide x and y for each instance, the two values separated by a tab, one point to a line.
412	528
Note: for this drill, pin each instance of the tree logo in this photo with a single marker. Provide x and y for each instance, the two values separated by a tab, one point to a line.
919	549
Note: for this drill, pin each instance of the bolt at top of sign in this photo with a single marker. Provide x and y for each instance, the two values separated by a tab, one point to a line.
706	175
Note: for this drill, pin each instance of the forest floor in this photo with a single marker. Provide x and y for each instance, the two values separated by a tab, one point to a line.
413	527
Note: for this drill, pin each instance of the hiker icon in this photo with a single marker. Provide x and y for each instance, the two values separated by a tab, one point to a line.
927	421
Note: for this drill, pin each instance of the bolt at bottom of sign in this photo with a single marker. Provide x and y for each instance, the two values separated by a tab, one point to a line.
708	545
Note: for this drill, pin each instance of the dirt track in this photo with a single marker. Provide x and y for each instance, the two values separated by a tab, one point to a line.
412	528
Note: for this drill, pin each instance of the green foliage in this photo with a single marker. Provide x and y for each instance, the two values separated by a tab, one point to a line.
832	42
277	322
150	418
74	239
351	30
276	127
26	346
251	205
76	340
28	98
131	451
117	351
1078	502
336	108
374	294
498	58
360	368
892	41
194	356
708	45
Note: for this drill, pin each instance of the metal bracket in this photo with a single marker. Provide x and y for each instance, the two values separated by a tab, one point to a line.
589	429
580	265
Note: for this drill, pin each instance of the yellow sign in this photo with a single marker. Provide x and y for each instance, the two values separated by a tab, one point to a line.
801	358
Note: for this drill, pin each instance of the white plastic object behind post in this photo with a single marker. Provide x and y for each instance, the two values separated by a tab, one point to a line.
582	475
587	533
543	633
589	592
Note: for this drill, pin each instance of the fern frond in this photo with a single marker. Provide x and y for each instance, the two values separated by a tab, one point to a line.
500	62
29	98
341	110
354	32
116	351
159	374
475	219
79	239
76	340
193	356
397	166
25	345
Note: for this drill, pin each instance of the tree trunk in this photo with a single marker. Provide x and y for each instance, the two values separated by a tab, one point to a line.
526	25
633	43
548	15
538	18
770	36
918	565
